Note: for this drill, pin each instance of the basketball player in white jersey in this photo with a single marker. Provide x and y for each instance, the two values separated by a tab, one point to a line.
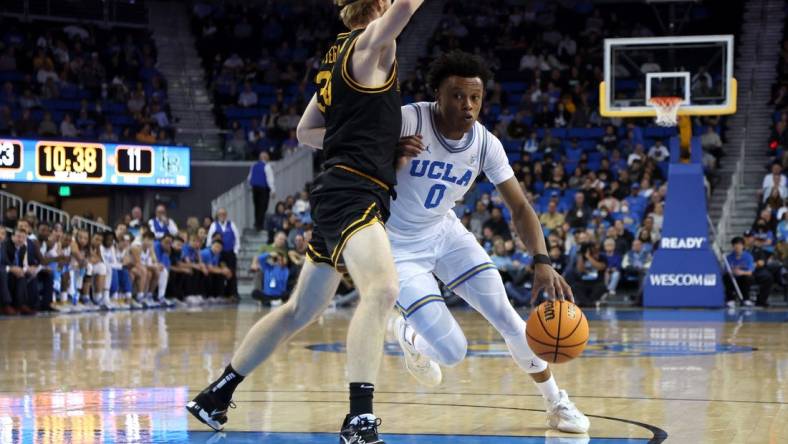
427	237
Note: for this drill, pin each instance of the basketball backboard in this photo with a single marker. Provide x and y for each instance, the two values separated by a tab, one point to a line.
698	69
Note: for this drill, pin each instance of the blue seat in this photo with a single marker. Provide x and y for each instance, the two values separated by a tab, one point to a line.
586	133
587	145
573	155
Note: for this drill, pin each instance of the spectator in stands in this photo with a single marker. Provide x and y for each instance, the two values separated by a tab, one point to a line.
774	188
478	218
47	127
145	135
279	244
609	140
218	273
742	266
502	259
274	275
531	144
658	152
231	246
247	98
161	225
261	179
636	263
13	259
613	270
711	143
498	225
580	213
28	101
589	272
638	154
108	134
552	219
767	268
10	217
135	221
549	143
236	147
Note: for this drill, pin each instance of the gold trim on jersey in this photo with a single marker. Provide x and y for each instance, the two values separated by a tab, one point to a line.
335	255
374	180
348	78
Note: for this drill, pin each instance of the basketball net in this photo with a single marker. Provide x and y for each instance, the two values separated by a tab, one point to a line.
667	109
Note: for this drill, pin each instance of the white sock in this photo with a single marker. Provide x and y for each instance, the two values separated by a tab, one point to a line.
63	296
549	390
140	296
163	276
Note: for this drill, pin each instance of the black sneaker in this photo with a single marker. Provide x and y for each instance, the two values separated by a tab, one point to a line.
208	410
360	430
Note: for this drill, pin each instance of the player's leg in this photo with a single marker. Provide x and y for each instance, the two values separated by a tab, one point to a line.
485	292
367	255
316	285
482	287
428	326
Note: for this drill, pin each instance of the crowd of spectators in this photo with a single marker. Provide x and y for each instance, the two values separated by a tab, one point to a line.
592	179
81	82
759	257
138	264
261	58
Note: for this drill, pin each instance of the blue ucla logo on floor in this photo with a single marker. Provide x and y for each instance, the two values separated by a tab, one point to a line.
595	349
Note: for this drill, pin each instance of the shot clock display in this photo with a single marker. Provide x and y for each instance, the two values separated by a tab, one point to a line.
68	162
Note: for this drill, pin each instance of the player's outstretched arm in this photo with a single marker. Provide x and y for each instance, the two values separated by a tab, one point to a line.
385	30
312	126
528	227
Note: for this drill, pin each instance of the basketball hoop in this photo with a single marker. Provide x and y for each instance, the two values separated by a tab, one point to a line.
667	109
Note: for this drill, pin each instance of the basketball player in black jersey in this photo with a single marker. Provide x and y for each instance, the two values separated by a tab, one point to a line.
356	118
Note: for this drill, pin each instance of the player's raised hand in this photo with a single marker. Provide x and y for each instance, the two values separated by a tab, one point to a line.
548	280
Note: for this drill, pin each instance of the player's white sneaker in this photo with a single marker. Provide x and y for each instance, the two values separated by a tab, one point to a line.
62	307
424	369
562	415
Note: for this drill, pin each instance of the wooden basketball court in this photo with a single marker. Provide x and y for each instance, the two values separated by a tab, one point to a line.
647	376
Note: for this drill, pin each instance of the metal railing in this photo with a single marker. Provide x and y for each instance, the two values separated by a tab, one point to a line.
290	174
8	200
92	227
46	213
729	206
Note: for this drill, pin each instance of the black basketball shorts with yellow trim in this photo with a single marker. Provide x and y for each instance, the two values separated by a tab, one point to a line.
343	201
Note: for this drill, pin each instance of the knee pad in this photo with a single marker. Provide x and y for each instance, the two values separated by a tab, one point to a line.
435	325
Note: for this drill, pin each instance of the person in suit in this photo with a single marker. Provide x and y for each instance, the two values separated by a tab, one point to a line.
13	261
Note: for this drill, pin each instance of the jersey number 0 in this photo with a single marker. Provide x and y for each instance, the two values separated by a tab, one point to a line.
435	196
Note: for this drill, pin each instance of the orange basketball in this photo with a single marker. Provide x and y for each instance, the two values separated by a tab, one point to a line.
557	331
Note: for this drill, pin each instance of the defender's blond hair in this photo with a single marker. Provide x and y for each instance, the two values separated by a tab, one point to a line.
357	13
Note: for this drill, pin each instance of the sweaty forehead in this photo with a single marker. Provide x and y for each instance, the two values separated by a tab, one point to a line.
464	83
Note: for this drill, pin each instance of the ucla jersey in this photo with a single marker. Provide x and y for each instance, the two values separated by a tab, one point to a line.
429	185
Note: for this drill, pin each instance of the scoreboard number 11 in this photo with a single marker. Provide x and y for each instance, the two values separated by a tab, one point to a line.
134	160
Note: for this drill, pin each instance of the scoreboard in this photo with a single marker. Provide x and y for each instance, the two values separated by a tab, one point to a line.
70	162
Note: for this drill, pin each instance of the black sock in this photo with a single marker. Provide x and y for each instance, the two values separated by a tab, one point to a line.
224	387
361	398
